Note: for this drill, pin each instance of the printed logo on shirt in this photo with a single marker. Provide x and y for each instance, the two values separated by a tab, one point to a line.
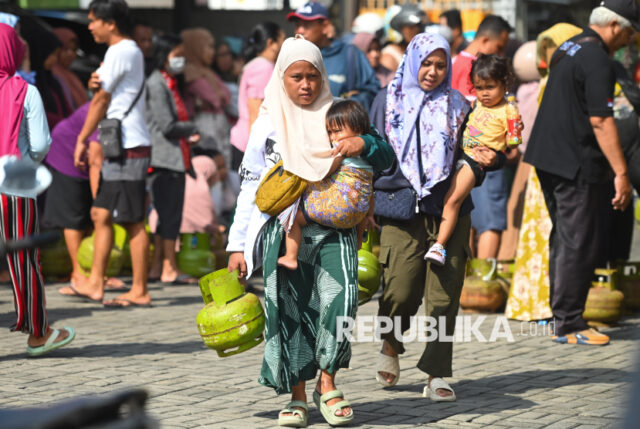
570	47
337	78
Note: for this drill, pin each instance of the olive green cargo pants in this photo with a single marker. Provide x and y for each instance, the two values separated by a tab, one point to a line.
408	278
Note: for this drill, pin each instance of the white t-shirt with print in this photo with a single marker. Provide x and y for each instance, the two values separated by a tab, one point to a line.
122	74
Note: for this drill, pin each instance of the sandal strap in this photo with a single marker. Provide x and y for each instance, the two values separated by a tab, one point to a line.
339	405
438	383
331	395
388	364
293	411
299	404
52	338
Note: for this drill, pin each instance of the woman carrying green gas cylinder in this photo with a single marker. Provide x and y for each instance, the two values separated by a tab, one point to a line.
302	305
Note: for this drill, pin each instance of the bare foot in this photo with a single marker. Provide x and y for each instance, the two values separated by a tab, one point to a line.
113	283
81	288
288	263
78	279
129	299
326	386
440	392
170	275
37	342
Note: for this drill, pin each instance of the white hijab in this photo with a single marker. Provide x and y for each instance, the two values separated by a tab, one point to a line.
300	130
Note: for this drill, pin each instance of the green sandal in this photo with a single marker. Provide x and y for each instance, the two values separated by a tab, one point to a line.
329	412
51	345
297	418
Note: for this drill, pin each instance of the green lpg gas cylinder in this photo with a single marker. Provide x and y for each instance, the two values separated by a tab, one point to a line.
368	272
85	252
483	291
604	302
233	320
55	260
195	256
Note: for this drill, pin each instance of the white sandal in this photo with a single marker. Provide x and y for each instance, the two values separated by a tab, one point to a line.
430	390
388	364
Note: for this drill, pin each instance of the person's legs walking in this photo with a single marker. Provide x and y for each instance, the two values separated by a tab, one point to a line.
402	248
93	287
443	287
155	271
139	293
19	220
574	247
102	243
167	191
73	238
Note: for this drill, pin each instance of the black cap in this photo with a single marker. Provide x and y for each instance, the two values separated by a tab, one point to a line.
629	9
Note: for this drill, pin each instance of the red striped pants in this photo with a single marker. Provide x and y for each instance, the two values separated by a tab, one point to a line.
20	219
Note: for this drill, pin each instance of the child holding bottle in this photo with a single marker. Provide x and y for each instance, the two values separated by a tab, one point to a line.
487	125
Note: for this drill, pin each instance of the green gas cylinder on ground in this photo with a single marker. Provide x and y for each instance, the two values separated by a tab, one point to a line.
195	256
85	252
55	260
368	271
483	290
604	301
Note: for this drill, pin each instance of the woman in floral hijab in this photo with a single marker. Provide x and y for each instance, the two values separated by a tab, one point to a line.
422	117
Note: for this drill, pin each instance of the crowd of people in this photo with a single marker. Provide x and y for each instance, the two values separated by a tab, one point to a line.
408	135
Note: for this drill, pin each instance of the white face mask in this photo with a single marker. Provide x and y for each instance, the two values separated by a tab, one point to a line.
176	65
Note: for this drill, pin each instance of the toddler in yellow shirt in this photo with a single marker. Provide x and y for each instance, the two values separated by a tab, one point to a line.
486	126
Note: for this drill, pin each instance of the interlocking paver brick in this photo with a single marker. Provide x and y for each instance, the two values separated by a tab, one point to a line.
526	384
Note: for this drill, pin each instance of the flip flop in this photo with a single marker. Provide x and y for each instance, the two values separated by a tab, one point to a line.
51	345
430	390
329	412
589	337
76	294
120	303
297	418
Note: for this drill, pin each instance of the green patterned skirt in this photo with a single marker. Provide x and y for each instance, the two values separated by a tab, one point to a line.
302	306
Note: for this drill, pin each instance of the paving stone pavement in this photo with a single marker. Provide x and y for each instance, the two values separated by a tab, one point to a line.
528	383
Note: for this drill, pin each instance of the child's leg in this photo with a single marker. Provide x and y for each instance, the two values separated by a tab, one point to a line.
292	243
461	186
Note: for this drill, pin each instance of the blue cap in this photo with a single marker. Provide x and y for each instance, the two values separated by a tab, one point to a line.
310	11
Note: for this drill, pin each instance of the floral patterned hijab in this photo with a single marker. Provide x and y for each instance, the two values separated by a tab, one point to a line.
434	115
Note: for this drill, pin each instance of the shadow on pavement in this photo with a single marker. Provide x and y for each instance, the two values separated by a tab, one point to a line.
485	396
117	350
493	394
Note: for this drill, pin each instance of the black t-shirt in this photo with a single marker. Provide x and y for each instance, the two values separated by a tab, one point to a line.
580	86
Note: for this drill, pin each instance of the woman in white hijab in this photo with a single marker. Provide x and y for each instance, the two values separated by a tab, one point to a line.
302	306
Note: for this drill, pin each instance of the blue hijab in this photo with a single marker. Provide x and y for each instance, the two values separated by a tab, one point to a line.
435	115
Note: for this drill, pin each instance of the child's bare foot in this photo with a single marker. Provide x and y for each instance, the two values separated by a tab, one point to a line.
288	263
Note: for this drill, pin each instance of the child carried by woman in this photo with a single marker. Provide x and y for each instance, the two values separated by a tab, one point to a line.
344	198
487	126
